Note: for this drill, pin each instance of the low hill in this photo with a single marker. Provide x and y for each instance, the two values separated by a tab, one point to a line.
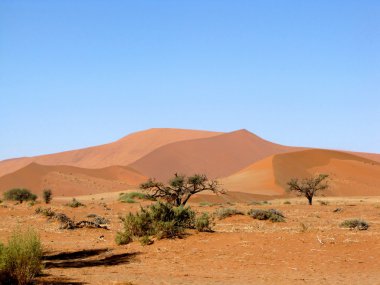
70	180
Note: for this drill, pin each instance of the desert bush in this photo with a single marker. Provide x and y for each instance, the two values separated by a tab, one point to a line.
131	196
48	212
21	258
47	196
162	220
287	203
19	195
271	214
203	223
323	203
355	224
127	200
145	240
227	212
74	203
122	238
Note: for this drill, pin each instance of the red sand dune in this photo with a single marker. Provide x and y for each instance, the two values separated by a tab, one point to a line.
350	175
70	180
121	152
216	156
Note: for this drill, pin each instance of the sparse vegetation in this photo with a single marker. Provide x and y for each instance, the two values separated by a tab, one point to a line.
75	203
131	196
258	203
47	212
161	220
227	212
206	204
47	196
21	258
145	240
180	188
98	219
271	214
287	203
19	195
355	224
308	187
203	223
304	227
323	203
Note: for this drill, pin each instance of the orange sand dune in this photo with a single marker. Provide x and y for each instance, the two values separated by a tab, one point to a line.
121	152
216	156
70	180
350	175
371	156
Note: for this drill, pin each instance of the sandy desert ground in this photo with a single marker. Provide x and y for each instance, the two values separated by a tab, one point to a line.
309	248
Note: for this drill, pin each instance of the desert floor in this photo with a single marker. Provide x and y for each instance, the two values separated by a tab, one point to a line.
309	248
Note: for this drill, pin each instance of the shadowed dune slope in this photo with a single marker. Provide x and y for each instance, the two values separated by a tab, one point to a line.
217	156
70	180
121	152
350	175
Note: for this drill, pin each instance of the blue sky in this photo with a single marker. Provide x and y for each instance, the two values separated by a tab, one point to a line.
81	73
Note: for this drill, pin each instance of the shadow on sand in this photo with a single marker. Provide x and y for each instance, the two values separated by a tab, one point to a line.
80	259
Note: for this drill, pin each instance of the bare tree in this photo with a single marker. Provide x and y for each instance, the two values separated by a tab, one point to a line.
308	187
180	188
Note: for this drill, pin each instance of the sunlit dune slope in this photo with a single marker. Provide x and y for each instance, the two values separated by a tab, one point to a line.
350	175
121	152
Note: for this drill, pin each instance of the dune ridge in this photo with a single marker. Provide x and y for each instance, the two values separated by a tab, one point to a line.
217	156
122	152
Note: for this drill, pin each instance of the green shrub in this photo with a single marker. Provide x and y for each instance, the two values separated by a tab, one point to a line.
75	203
47	196
21	258
131	196
355	224
128	200
271	214
19	195
145	240
203	223
122	238
162	220
227	212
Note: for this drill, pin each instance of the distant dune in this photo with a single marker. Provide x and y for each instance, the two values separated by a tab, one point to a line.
350	175
244	162
70	180
216	156
121	152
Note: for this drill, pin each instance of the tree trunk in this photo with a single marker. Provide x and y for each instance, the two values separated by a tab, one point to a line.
310	199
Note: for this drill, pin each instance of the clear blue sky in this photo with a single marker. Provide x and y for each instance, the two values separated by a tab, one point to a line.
81	73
